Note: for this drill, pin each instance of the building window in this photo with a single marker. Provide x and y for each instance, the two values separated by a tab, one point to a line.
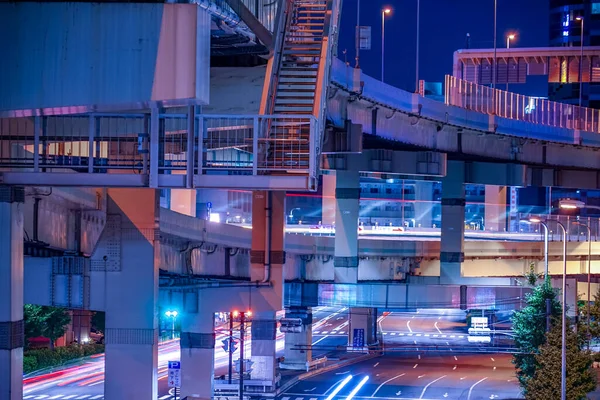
595	8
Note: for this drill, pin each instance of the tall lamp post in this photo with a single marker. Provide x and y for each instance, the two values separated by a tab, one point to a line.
580	19
173	316
575	204
418	32
384	12
508	39
539	221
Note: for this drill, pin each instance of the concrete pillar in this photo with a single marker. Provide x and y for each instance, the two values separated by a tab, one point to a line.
453	223
347	197
328	200
495	208
362	327
264	345
197	354
11	292
294	358
423	204
132	294
267	258
81	321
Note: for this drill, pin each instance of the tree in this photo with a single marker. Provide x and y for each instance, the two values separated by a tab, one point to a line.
49	322
594	316
99	320
546	382
55	323
529	326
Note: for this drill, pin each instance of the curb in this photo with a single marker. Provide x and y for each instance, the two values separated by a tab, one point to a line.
332	367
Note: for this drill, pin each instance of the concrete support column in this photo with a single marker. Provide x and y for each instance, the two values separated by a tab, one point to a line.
295	358
424	204
495	208
264	345
347	198
328	200
131	294
11	292
453	224
197	354
362	327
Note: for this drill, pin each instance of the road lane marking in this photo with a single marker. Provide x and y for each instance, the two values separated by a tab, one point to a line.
323	338
408	326
419	356
455	358
393	333
58	396
436	335
418	334
475	384
342	373
454	367
385	333
85	396
415	366
69	397
492	359
420	376
427	335
96	397
436	327
409	334
169	396
429	384
376	364
494	368
102	382
380	386
29	397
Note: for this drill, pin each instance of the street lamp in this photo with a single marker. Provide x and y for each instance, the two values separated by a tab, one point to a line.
563	378
384	12
580	19
535	220
508	39
569	205
417	61
173	315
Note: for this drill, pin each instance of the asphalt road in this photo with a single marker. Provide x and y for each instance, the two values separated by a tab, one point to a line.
85	380
424	376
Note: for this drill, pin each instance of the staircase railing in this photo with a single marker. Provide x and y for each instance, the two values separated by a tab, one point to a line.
269	92
323	75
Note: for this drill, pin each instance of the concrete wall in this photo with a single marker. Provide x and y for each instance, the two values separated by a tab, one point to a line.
122	54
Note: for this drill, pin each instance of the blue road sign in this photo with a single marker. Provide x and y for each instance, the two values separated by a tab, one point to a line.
359	338
174	365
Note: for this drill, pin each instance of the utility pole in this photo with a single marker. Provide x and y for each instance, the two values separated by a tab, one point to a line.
230	346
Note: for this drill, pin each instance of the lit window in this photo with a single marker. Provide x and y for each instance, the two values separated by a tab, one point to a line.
565	33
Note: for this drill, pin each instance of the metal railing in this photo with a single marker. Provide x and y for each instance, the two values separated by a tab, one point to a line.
161	144
484	99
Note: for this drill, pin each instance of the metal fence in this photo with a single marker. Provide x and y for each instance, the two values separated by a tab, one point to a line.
574	225
484	99
160	144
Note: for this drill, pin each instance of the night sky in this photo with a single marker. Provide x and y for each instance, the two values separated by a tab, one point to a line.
444	25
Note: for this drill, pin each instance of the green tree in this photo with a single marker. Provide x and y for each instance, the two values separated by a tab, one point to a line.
594	316
49	322
55	323
546	382
529	326
99	320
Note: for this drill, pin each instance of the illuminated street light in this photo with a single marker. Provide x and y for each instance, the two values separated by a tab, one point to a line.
569	204
384	12
172	314
509	37
580	19
563	377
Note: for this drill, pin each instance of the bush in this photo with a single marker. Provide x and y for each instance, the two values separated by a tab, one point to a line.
29	364
46	358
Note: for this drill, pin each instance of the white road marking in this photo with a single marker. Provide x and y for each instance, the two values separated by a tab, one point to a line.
389	380
376	364
96	397
324	333
453	336
427	335
492	359
414	341
419	356
85	396
409	334
475	384
494	368
393	334
28	397
323	338
418	334
461	337
415	366
454	368
70	397
436	327
385	333
429	384
99	383
58	396
455	358
169	396
420	376
444	335
464	377
342	373
436	335
408	325
401	334
43	396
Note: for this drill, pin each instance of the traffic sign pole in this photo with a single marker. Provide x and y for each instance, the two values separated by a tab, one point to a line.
242	334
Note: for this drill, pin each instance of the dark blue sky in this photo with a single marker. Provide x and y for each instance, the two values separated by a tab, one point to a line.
444	25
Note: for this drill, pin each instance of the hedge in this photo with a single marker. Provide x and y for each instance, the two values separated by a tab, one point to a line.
46	358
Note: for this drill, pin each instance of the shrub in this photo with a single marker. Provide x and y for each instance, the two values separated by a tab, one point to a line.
47	358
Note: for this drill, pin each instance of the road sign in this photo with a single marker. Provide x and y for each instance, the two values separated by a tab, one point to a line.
174	377
364	37
359	338
229	345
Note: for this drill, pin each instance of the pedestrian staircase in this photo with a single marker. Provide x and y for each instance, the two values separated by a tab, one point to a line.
296	85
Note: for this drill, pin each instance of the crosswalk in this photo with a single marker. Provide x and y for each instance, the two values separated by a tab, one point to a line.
299	398
333	332
77	397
